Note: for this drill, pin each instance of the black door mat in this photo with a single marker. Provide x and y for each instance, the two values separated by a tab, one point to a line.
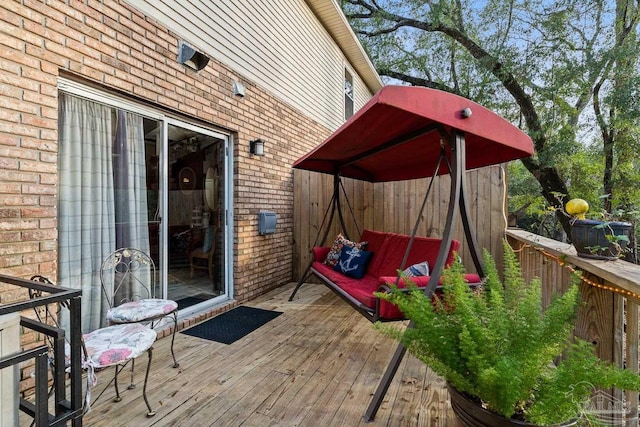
232	325
193	300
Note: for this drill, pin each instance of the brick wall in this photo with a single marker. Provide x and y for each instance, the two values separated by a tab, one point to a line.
110	44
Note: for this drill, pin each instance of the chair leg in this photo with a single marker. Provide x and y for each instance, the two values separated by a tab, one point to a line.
173	338
115	384
131	384
144	387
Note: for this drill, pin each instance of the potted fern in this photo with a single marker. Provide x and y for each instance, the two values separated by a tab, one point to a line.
496	348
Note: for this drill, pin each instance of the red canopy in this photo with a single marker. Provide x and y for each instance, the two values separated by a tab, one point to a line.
395	136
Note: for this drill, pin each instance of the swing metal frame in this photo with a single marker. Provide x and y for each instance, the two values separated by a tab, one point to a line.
403	124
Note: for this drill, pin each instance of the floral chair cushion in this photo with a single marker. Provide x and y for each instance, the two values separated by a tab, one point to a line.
141	310
117	344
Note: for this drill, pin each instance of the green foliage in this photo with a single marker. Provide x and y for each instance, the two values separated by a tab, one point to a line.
499	345
566	72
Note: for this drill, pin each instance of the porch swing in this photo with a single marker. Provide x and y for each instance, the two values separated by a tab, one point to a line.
406	133
391	252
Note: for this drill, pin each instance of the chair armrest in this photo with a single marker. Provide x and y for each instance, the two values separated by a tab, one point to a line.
402	286
419	281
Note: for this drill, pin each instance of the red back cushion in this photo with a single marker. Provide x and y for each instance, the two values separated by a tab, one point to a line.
423	249
375	239
376	244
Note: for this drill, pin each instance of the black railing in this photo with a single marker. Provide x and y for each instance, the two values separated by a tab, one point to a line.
64	409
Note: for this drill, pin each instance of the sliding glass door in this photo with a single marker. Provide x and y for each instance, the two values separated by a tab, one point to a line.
195	226
130	177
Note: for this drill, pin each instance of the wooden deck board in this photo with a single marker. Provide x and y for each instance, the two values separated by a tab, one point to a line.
318	363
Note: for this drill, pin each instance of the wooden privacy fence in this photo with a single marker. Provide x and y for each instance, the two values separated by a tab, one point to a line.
394	207
608	316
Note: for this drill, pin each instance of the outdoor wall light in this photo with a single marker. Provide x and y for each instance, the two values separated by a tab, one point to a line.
238	89
256	147
191	58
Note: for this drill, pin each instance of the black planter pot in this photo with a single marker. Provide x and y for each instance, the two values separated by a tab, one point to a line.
586	236
473	415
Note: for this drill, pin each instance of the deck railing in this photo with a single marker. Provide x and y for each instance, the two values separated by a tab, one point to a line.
608	316
65	409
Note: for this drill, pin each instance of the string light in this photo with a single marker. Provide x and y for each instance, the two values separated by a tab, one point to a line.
584	279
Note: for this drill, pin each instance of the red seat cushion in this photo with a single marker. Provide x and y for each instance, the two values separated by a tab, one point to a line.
360	289
388	251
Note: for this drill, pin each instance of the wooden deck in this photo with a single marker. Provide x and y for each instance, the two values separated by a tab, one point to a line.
317	364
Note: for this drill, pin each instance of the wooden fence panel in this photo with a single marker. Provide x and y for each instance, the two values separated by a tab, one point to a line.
394	207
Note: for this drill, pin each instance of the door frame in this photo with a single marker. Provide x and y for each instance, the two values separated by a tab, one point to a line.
118	101
226	226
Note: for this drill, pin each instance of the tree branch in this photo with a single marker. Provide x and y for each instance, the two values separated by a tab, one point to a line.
418	81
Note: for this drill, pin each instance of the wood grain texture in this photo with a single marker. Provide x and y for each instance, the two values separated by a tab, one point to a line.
316	364
395	206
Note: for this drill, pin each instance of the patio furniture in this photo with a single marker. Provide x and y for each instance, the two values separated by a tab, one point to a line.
407	133
387	251
115	346
128	281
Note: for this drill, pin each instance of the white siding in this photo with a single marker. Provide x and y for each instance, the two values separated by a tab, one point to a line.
278	45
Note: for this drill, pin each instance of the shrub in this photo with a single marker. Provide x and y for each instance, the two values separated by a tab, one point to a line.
499	346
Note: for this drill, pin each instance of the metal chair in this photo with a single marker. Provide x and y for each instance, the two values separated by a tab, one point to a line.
128	280
115	345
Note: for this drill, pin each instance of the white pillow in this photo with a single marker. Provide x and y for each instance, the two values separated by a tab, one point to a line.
420	269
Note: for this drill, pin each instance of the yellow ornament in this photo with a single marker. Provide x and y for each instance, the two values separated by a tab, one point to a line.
577	208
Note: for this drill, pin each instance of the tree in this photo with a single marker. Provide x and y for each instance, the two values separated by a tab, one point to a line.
554	68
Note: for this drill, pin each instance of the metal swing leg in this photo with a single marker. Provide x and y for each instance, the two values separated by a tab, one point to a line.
457	169
304	278
385	382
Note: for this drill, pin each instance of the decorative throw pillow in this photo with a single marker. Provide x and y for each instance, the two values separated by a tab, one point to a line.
334	253
353	262
420	269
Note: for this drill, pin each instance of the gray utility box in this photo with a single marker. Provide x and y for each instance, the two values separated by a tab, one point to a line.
267	222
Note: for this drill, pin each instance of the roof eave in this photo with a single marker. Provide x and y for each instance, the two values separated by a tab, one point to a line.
336	24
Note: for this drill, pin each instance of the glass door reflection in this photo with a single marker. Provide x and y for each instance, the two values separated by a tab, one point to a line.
195	238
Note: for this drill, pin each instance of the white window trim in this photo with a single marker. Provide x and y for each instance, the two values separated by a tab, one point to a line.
348	69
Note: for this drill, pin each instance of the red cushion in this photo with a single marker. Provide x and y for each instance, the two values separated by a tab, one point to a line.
388	251
375	239
320	253
390	311
422	249
361	289
423	281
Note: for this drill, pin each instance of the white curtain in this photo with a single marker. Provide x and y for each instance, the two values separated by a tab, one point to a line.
102	202
86	216
130	182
